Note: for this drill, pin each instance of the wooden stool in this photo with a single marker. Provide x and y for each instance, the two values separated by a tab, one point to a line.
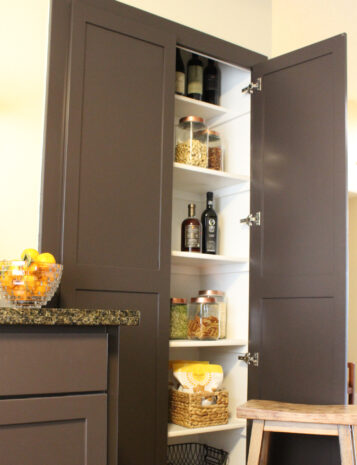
280	417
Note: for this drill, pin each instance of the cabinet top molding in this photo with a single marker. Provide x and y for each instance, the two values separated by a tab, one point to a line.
68	317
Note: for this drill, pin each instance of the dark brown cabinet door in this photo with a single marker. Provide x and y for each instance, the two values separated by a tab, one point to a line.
117	184
54	430
298	254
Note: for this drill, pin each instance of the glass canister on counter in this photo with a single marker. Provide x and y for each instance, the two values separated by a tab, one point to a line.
203	319
220	298
191	142
178	318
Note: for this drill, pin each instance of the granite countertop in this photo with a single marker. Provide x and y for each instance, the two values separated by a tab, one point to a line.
68	317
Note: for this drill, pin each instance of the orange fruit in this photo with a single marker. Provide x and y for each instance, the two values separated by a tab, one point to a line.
30	282
29	255
45	258
41	289
19	292
32	269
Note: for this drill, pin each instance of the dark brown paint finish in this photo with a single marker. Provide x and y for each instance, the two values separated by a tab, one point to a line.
115	242
60	430
298	255
52	362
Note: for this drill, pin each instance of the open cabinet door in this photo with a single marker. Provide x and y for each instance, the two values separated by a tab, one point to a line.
298	253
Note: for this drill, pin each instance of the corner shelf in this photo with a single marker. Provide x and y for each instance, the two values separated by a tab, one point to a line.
185	106
218	343
200	180
175	431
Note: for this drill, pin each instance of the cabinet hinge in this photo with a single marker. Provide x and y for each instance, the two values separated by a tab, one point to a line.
253	86
252	219
250	359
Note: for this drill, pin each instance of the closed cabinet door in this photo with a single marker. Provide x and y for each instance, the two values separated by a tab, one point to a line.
116	212
298	253
59	430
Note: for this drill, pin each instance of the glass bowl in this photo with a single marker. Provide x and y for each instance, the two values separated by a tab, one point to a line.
28	285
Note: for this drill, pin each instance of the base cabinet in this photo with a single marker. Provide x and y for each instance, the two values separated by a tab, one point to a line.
68	430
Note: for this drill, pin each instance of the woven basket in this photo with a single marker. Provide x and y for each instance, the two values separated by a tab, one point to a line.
187	410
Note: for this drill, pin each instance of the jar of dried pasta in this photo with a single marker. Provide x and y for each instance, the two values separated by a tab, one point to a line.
220	297
191	142
203	319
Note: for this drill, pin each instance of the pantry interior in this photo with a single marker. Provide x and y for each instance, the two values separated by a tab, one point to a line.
228	270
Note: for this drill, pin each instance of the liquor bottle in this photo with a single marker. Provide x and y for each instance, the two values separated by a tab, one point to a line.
180	74
209	227
195	78
211	83
191	231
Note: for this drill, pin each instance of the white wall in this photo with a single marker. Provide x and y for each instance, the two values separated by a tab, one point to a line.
352	317
23	51
246	23
299	23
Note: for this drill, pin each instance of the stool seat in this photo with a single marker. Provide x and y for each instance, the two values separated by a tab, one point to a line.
281	417
283	411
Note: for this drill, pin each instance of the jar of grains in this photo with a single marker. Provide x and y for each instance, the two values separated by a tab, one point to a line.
178	318
203	318
220	297
215	150
191	142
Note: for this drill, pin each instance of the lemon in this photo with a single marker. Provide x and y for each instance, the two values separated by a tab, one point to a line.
45	258
29	255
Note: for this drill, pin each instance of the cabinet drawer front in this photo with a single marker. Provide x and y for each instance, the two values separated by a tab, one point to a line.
52	363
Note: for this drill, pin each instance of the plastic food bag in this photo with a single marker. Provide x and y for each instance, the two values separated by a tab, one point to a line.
198	377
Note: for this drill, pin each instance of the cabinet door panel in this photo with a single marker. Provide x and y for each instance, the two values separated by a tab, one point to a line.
117	185
298	255
60	430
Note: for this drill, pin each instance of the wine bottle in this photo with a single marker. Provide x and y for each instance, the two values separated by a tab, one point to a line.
211	83
180	74
209	227
195	78
191	231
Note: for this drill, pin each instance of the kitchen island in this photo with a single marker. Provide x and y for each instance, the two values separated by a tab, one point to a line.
59	385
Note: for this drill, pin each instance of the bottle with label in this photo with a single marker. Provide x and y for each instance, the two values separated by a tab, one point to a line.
209	227
211	83
195	78
180	74
191	231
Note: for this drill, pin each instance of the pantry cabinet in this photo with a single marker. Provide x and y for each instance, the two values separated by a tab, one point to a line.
113	201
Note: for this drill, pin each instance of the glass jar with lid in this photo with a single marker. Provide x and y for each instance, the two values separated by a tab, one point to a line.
178	318
220	298
203	319
215	150
191	142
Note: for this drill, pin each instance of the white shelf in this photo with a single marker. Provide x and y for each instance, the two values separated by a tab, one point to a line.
201	180
202	260
185	106
175	431
219	343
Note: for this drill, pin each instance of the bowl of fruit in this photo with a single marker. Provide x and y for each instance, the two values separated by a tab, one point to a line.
30	281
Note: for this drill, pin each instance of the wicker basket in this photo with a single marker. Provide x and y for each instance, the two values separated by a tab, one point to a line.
187	410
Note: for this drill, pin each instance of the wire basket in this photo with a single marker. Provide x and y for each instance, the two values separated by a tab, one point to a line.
192	453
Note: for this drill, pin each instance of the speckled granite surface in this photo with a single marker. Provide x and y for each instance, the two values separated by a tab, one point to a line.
68	317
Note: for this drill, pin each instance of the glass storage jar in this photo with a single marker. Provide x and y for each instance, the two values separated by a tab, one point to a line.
220	298
178	318
191	142
215	150
203	318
